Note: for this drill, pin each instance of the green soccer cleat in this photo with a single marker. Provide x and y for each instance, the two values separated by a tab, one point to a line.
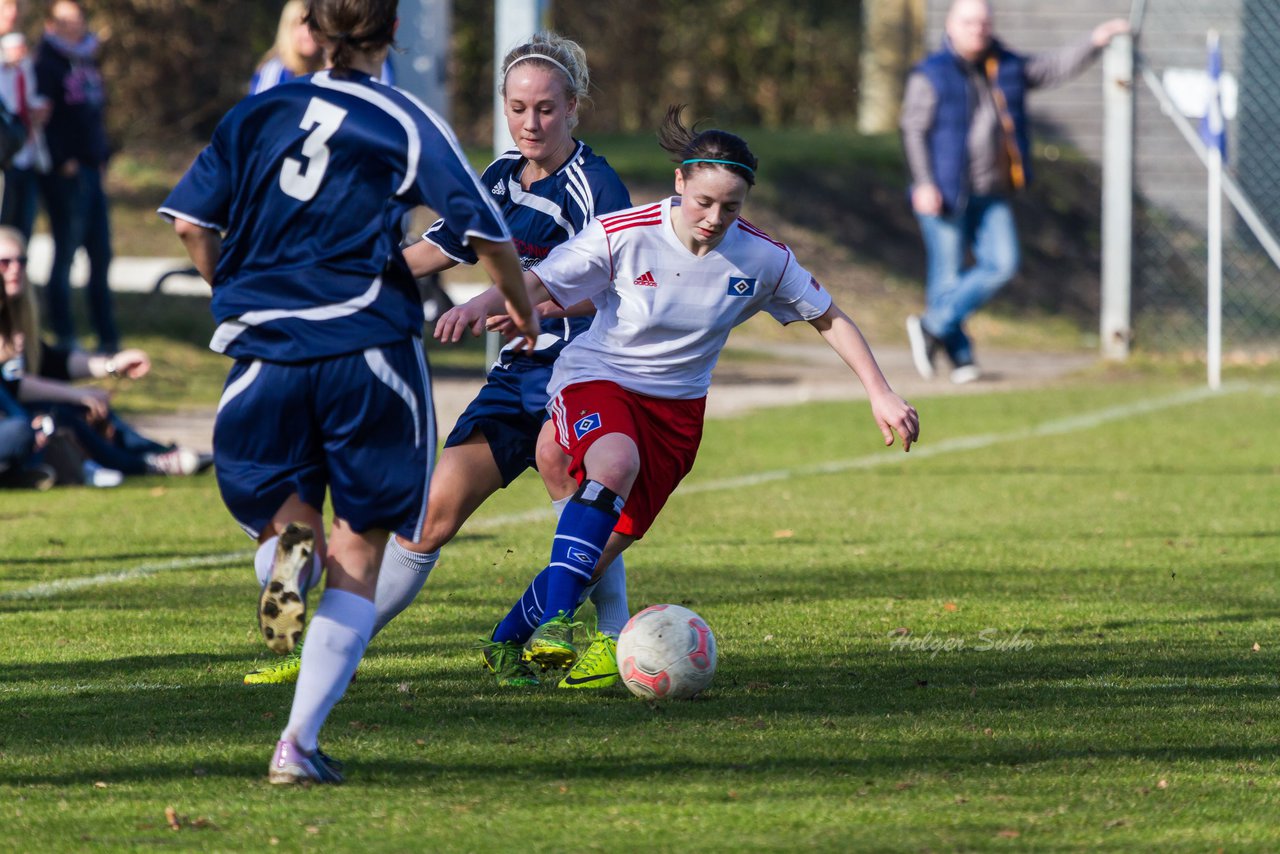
552	643
506	660
597	667
282	672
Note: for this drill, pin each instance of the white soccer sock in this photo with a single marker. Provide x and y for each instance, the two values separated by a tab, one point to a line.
263	560
610	598
559	504
336	639
401	576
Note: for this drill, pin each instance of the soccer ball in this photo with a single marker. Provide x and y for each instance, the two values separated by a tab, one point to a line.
666	652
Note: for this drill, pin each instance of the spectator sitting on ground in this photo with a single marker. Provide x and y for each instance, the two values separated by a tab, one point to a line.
37	374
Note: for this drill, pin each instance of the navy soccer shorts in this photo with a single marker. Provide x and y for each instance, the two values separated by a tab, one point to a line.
509	410
361	425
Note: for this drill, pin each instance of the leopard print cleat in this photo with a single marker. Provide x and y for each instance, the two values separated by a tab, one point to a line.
282	612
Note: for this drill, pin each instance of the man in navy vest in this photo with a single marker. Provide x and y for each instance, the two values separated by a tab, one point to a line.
965	130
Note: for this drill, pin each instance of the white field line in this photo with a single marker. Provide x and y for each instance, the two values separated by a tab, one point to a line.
890	456
53	588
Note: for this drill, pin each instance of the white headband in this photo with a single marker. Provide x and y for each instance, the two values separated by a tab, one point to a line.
541	56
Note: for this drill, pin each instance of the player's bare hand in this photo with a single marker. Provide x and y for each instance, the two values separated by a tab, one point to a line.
454	323
526	327
893	414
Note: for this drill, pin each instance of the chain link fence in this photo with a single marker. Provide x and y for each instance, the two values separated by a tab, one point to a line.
1170	228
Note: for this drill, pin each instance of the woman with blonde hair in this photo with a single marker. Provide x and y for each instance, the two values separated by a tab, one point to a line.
296	53
21	434
37	388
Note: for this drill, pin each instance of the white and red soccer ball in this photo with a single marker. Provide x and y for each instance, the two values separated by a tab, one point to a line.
666	652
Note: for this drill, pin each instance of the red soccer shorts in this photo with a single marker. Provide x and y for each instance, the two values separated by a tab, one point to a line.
667	432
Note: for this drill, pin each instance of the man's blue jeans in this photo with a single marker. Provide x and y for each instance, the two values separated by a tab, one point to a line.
953	291
77	208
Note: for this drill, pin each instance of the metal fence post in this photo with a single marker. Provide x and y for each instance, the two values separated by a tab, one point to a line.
1117	197
515	21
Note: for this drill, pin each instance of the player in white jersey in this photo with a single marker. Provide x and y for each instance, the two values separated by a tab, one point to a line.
292	215
669	281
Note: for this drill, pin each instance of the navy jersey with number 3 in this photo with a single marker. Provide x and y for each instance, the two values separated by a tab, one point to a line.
309	182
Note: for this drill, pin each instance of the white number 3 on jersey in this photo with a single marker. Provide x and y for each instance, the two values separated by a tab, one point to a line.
302	180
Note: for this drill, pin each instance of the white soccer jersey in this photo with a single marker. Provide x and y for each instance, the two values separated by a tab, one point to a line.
662	313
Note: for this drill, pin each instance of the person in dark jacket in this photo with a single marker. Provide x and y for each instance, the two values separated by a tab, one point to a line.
965	130
67	74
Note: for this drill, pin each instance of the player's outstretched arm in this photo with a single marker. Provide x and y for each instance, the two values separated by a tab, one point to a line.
500	262
891	412
425	259
469	317
204	245
487	310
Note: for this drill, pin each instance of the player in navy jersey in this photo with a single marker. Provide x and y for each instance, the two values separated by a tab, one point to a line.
669	281
548	188
292	214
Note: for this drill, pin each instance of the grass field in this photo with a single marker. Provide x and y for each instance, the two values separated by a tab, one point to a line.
1052	626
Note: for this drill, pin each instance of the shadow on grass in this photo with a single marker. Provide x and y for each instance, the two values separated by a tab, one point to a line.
855	715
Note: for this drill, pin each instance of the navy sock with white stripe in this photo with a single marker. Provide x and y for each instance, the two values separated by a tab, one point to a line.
580	539
583	530
522	619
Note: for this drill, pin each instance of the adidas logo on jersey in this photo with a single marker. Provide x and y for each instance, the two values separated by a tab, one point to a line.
499	189
646	280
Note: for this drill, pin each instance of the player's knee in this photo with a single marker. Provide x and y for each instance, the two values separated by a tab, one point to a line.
615	467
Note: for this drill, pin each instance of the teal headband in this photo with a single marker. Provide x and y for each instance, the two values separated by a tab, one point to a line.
725	162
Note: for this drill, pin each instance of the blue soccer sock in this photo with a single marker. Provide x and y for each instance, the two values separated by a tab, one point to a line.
584	528
525	616
581	535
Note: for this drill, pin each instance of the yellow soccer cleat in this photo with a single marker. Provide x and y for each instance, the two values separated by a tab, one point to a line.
597	667
282	672
551	646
